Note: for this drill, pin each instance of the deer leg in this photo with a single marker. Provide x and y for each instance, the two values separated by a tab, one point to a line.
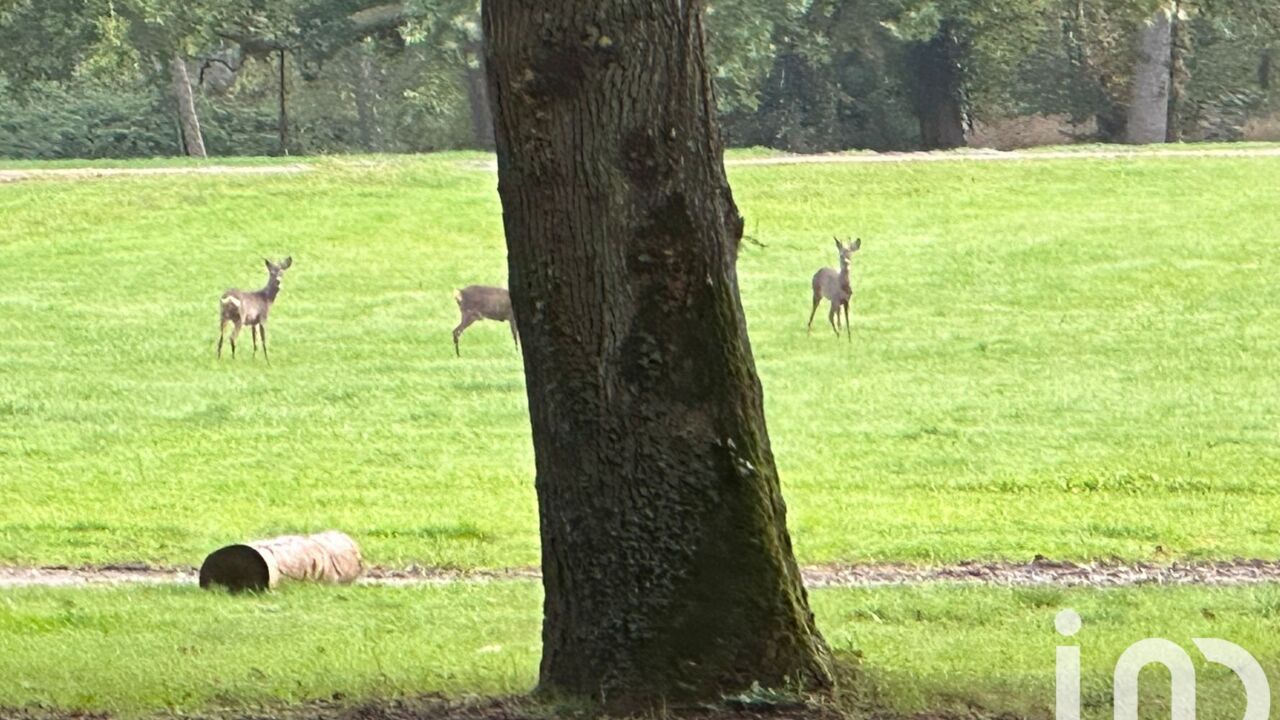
235	333
831	318
848	329
253	332
515	337
467	319
222	334
816	299
262	330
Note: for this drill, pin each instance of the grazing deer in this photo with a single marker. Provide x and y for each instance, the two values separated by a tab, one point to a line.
481	302
242	307
834	286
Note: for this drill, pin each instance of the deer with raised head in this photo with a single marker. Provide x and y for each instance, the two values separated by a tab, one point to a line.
243	307
834	285
482	302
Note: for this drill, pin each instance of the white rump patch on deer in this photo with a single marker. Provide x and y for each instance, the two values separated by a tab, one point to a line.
230	300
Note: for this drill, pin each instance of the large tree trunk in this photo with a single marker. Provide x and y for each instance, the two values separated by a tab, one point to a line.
667	565
937	91
1148	117
192	139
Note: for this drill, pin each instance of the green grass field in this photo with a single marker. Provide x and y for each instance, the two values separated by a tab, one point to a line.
1074	358
1070	358
136	650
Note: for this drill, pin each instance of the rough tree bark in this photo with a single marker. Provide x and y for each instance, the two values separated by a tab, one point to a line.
937	91
192	139
667	565
1148	117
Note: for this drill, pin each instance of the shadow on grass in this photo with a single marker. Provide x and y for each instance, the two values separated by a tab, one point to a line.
856	697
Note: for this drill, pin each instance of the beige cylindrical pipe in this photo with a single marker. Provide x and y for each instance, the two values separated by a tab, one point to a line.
330	557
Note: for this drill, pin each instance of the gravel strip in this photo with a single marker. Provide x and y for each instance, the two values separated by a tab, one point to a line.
7	176
1039	572
1042	572
974	155
978	155
999	155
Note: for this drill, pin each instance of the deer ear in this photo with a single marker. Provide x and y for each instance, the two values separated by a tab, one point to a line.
287	262
268	262
856	244
838	245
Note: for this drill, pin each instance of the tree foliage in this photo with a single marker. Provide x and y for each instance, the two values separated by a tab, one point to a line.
802	75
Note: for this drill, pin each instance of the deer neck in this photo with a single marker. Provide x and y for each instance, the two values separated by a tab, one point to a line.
272	289
844	275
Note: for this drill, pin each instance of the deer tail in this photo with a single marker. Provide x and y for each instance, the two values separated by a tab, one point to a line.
457	297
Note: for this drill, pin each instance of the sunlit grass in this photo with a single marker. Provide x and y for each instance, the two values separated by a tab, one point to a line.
1068	358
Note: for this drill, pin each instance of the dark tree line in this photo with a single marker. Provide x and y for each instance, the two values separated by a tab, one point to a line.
143	77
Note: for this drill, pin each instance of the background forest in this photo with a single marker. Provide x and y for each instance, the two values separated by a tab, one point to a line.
139	78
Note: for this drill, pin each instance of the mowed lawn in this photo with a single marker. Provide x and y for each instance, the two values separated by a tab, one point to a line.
1073	358
954	651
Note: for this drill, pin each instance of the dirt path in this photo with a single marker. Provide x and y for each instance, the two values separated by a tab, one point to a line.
974	155
15	175
7	176
1039	572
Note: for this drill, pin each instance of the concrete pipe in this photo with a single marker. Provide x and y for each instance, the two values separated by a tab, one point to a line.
329	557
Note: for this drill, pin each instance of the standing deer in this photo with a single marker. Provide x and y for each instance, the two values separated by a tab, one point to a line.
834	286
242	307
482	302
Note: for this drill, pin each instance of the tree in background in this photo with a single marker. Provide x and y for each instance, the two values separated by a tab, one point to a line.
1124	48
856	70
833	81
102	77
961	55
451	29
163	36
667	565
1151	88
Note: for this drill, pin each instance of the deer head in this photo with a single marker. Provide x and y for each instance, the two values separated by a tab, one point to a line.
277	271
847	251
